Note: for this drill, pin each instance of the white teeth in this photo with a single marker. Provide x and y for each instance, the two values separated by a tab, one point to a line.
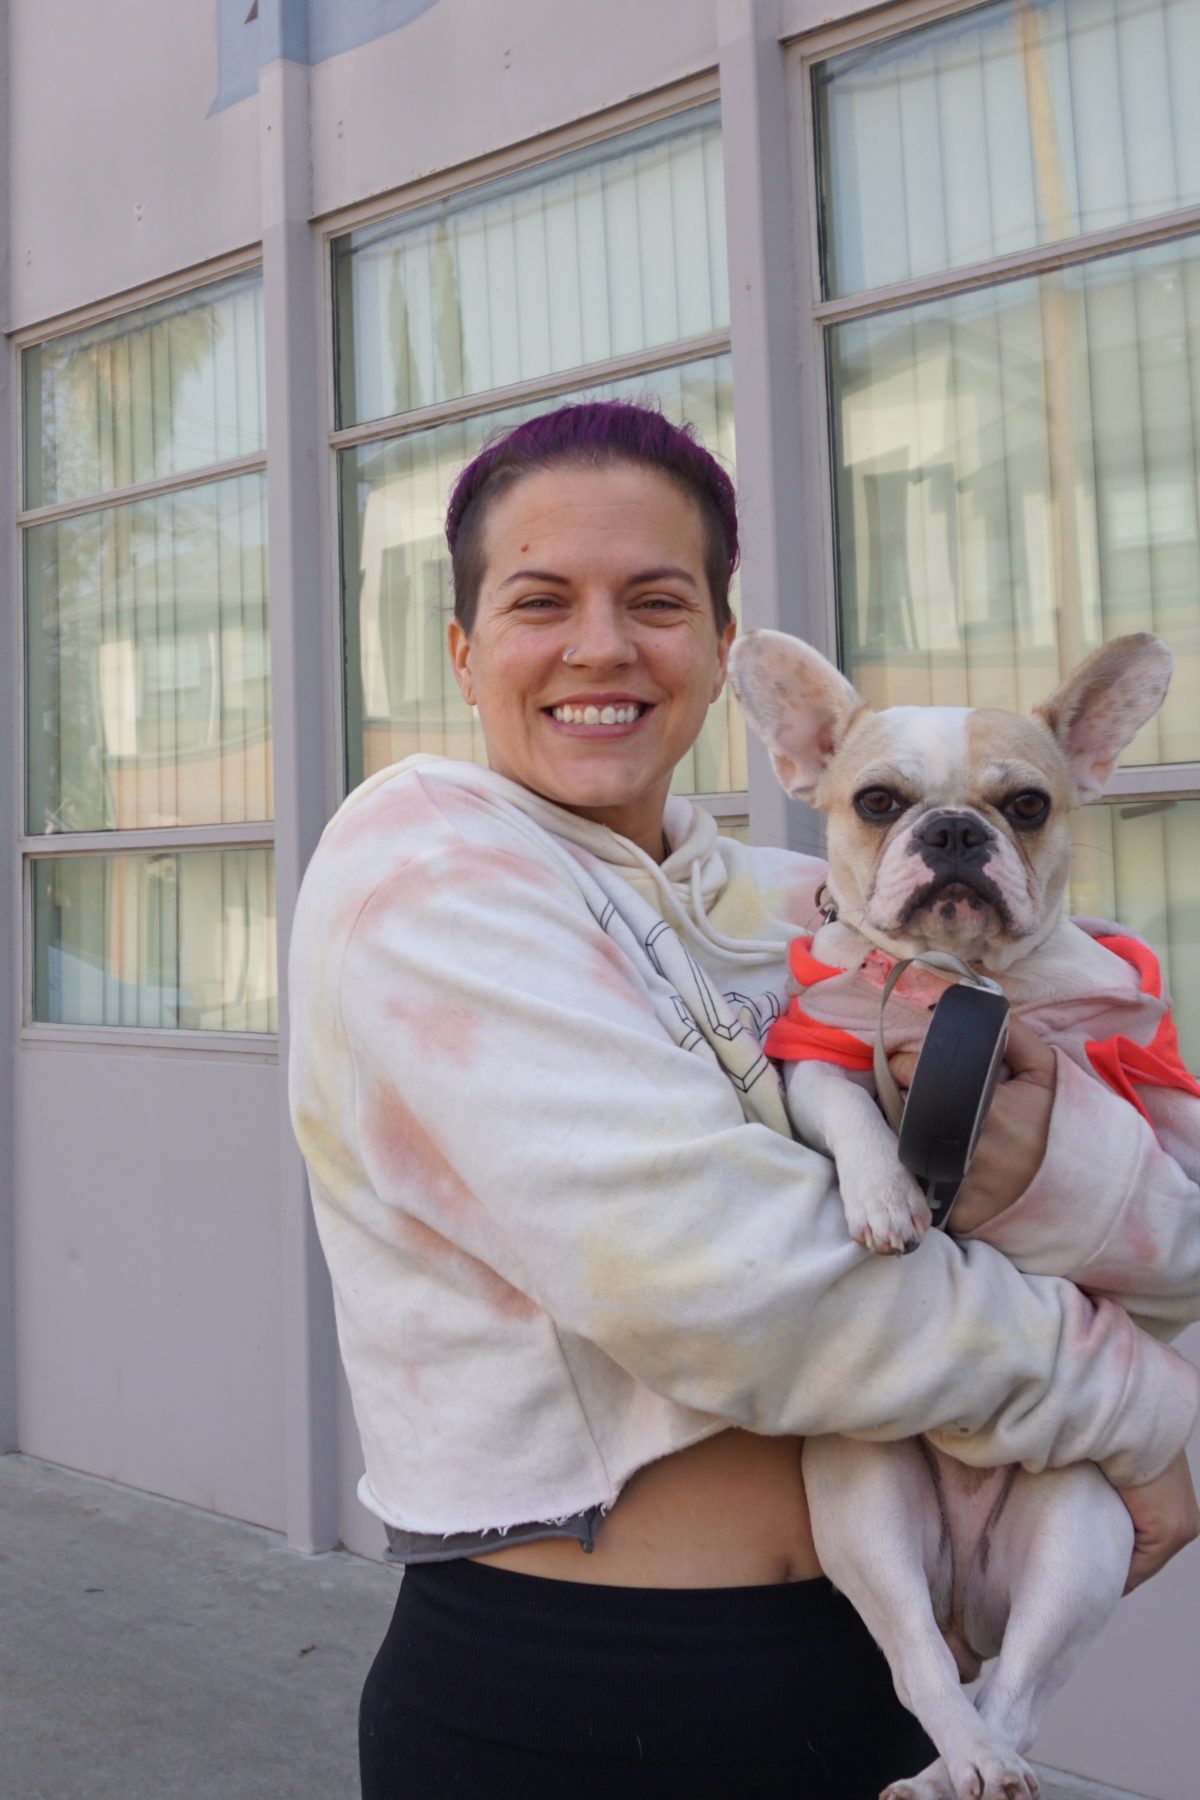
596	715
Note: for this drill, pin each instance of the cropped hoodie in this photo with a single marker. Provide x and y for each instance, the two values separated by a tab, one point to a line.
568	1228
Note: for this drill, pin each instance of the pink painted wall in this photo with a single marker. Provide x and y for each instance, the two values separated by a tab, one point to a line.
117	175
147	1266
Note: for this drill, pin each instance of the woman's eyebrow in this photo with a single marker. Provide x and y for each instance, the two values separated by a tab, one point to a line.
536	575
665	572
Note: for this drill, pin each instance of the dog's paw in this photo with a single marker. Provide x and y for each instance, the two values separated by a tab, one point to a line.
984	1776
932	1783
890	1216
998	1775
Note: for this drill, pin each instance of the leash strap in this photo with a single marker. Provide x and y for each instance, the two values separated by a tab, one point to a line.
944	962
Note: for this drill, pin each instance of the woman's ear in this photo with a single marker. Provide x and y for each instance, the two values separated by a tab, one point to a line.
459	646
724	643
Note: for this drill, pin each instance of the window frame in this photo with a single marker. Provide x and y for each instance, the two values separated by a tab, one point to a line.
819	316
31	847
516	160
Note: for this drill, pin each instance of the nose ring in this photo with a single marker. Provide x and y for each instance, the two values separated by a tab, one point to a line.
568	657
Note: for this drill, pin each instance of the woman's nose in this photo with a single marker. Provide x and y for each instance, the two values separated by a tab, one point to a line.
602	637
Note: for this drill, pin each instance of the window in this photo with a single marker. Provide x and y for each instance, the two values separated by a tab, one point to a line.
1009	207
147	718
599	273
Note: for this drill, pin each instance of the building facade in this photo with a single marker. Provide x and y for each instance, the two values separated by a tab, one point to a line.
926	273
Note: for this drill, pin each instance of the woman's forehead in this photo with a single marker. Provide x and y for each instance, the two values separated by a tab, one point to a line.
584	513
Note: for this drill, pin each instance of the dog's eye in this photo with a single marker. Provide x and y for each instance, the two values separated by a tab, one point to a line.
1030	807
877	803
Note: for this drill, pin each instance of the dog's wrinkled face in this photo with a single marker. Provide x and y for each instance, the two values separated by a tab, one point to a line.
947	827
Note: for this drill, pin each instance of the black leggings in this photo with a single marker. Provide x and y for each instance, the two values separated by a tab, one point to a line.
496	1686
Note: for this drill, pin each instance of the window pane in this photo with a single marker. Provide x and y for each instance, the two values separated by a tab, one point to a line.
148	663
181	941
1017	480
1011	125
595	255
401	695
1138	863
156	392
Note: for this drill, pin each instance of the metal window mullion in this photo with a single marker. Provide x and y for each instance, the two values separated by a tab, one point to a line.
1020	265
546	387
149	841
144	490
137	1039
1153	781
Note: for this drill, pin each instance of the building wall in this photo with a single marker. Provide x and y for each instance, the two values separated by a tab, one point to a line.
119	175
172	1330
148	1274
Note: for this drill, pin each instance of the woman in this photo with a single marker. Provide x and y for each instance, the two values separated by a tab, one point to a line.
590	1292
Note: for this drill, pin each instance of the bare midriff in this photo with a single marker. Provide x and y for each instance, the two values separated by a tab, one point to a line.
728	1512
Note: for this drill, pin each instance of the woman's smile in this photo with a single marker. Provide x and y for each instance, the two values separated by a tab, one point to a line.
599	715
594	654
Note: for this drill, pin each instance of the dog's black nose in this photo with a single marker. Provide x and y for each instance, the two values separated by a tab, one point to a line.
954	835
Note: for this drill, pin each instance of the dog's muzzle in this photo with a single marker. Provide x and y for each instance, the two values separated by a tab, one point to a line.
954	846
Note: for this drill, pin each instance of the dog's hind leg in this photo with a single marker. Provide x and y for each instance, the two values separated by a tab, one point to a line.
1061	1550
881	1540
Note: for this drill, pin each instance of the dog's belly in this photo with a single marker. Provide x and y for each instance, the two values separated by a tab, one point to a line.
971	1595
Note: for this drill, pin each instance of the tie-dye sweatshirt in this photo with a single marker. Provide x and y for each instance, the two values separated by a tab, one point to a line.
568	1228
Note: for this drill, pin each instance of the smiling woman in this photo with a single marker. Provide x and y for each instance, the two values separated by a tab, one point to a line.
593	670
612	1293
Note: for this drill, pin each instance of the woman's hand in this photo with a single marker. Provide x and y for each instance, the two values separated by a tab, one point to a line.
1166	1518
1013	1140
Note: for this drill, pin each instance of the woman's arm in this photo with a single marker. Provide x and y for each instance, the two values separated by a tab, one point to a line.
606	1172
1104	1203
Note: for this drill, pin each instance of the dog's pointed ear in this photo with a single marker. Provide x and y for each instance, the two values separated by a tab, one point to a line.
1104	703
796	701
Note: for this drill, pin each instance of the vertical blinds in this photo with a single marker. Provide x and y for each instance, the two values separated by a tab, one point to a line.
180	940
596	255
1009	126
158	392
148	696
1017	477
1136	862
148	663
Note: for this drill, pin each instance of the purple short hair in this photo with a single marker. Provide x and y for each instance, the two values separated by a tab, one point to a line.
596	434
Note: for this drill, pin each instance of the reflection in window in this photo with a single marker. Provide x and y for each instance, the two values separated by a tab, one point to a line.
174	941
155	392
594	255
1135	862
1005	127
148	666
1017	480
399	598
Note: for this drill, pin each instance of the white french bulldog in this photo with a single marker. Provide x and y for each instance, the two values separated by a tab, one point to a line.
947	830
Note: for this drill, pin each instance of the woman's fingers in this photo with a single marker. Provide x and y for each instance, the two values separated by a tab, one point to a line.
1166	1518
1013	1140
1028	1057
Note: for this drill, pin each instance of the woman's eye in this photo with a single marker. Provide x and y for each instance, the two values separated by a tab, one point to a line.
877	803
538	602
660	603
1030	807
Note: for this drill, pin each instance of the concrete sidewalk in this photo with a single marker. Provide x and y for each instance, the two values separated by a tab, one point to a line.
149	1651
